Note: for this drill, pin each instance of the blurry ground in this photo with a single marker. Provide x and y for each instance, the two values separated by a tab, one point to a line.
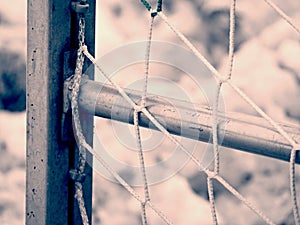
266	68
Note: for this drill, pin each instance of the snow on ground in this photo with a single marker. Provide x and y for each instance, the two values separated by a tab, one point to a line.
13	25
12	168
266	68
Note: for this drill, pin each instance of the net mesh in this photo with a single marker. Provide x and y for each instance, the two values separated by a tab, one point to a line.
214	174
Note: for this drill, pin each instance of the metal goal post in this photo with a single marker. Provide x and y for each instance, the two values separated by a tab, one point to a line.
51	152
51	148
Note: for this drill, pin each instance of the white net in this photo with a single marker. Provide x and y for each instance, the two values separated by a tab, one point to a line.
151	208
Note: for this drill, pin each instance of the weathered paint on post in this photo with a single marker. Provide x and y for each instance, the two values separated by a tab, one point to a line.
50	33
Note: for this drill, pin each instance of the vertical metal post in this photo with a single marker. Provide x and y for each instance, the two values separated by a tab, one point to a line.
50	33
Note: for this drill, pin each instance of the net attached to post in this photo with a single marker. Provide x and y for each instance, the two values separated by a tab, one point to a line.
146	202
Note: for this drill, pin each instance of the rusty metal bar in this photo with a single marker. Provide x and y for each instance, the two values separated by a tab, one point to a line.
239	131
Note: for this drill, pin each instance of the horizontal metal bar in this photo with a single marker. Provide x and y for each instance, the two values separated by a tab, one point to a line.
239	131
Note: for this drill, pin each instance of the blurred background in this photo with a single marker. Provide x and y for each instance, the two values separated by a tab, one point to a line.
266	67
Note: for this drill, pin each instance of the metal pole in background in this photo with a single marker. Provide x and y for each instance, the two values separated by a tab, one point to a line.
238	131
50	34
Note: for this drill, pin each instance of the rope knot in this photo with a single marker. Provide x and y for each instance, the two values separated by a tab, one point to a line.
144	203
83	49
211	174
224	79
153	12
77	176
139	108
